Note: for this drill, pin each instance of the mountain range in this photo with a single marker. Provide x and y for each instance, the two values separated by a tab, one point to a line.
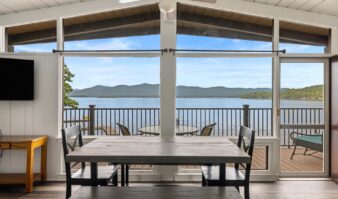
152	90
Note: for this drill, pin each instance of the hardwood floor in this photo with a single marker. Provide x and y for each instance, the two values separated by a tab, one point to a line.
279	190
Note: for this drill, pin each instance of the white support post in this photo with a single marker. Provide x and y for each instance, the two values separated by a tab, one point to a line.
168	79
168	91
276	98
2	39
60	46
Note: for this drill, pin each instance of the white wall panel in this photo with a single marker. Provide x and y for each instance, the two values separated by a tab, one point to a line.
37	117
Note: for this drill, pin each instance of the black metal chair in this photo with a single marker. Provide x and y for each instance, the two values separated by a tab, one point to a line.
207	130
234	177
72	138
125	131
125	179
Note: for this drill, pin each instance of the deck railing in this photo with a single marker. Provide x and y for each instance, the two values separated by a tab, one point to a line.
102	121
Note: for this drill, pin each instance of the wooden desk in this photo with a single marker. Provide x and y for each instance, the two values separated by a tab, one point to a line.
29	143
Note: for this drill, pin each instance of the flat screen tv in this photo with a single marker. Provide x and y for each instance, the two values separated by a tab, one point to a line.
16	79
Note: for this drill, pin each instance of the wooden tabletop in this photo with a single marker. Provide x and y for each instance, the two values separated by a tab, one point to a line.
21	138
150	150
179	130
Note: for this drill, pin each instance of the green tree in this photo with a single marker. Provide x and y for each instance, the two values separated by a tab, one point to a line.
68	77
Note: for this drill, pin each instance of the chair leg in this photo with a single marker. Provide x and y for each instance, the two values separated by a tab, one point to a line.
116	179
305	151
246	192
68	190
204	183
68	181
293	152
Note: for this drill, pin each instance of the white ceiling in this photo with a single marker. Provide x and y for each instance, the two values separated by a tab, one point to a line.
13	6
327	7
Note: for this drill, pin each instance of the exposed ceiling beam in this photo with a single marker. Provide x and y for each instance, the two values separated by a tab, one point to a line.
84	29
288	36
205	26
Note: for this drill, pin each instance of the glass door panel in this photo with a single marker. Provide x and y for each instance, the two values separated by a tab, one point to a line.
302	118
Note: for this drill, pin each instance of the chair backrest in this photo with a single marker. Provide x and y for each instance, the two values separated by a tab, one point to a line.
125	131
246	141
206	131
68	143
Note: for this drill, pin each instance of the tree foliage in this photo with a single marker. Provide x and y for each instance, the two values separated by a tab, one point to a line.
67	88
308	93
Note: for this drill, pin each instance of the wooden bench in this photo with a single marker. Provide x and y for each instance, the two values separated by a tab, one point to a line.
160	192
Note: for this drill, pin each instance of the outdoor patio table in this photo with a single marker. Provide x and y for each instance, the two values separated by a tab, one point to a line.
179	130
153	150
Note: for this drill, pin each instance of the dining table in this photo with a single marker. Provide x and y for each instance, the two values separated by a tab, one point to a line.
182	150
180	130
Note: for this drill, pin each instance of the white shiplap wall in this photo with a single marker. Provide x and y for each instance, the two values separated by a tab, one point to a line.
37	117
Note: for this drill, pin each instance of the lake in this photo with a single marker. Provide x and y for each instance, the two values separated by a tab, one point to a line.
193	103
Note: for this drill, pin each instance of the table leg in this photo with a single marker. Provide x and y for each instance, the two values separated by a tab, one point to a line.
29	168
127	174
43	162
122	175
93	174
222	174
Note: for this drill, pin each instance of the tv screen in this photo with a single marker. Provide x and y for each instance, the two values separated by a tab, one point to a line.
16	79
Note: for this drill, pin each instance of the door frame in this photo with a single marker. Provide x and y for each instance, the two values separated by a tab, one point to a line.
326	136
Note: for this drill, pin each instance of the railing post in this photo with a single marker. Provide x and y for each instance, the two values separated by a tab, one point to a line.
91	119
246	114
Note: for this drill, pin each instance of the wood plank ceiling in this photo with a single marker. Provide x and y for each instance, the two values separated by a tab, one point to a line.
327	7
14	6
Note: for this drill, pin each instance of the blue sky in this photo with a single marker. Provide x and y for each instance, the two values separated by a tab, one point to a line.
203	72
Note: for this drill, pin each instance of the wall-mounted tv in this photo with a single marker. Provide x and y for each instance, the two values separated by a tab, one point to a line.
16	79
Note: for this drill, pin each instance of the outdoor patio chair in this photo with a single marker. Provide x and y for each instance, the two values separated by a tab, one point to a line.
234	176
313	142
125	131
71	138
207	130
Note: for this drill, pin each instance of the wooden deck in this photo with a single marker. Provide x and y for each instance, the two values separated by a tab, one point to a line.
300	163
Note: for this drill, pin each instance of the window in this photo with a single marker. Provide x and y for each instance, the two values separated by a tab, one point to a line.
215	90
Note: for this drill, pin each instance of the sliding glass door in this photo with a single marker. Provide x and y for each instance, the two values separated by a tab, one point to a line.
303	117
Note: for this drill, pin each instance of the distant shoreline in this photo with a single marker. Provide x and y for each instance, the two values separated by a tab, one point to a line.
152	91
147	97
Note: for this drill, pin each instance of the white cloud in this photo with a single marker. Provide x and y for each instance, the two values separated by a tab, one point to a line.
111	44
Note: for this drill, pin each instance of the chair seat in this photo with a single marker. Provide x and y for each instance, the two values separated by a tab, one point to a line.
314	142
105	174
211	173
